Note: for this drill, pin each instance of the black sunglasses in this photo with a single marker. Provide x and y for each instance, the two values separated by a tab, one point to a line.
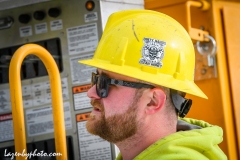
102	84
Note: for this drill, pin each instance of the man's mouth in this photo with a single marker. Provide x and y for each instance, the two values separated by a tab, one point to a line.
97	109
96	106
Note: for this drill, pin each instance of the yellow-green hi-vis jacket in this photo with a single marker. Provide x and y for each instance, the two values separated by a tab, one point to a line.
195	140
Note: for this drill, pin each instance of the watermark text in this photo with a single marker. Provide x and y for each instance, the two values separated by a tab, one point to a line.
35	153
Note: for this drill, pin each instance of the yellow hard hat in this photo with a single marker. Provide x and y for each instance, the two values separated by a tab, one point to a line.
149	46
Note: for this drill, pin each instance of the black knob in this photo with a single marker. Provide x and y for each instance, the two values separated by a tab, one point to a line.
54	12
39	15
24	18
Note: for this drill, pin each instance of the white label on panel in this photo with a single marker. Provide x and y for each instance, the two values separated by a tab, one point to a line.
48	95
92	16
38	90
40	120
25	31
56	25
65	88
41	28
33	95
82	39
5	105
91	146
27	96
81	100
81	73
6	128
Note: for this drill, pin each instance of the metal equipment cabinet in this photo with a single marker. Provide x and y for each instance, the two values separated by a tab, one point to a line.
220	82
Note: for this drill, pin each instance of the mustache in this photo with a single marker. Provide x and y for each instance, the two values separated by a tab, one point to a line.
97	104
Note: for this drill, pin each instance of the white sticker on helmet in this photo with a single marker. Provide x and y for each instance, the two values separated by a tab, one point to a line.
152	52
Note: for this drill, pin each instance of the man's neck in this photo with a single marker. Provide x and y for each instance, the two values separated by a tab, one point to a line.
134	145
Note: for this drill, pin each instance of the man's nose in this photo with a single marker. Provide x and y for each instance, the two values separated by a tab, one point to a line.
92	93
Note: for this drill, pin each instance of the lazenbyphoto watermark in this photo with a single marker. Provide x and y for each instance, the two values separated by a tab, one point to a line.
29	155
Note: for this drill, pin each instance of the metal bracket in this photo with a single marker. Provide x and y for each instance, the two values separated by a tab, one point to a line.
205	59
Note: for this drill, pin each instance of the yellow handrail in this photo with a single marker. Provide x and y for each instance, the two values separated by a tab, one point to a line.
17	105
196	34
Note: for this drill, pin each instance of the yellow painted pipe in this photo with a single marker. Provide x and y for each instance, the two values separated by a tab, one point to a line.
17	105
196	34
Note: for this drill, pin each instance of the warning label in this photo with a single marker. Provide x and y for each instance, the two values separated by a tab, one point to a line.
6	127
82	117
33	95
81	73
82	39
91	146
5	105
5	117
40	120
81	100
80	89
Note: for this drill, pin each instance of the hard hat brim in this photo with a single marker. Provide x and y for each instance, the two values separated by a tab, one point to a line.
159	79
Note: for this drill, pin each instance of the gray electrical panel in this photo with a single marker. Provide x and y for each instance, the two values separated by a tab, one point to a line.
70	31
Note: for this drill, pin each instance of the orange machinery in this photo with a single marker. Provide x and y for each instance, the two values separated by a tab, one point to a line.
218	73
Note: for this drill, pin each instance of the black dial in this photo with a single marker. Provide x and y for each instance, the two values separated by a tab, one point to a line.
54	12
39	15
24	18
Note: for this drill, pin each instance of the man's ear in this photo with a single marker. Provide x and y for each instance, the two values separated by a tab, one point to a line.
157	101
